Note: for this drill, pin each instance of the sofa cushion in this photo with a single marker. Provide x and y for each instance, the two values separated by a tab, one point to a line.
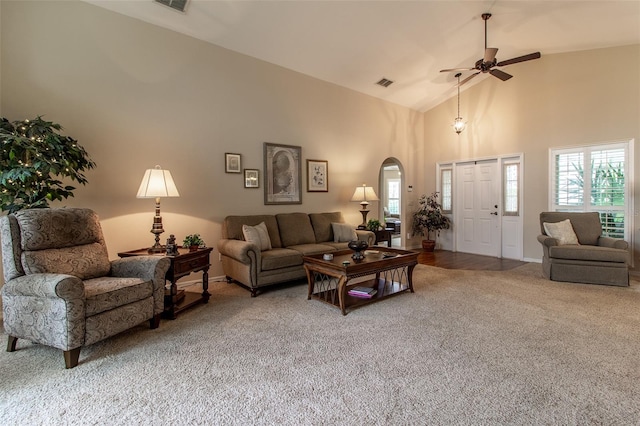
343	232
106	293
321	223
84	262
338	246
280	258
258	235
588	253
295	228
561	231
232	227
309	249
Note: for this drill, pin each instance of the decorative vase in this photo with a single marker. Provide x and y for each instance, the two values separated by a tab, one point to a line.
428	245
358	247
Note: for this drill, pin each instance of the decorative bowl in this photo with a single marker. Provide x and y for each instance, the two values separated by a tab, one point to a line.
358	247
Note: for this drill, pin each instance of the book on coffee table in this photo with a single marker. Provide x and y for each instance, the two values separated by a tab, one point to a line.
365	292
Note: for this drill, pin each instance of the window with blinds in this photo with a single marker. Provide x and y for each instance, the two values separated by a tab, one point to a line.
393	196
593	178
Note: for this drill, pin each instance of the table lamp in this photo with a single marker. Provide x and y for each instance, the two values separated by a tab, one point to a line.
364	194
157	183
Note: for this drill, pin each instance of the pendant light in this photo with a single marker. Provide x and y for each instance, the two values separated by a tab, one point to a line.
459	124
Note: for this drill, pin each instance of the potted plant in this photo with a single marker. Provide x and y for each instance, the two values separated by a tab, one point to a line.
193	241
373	225
429	219
33	160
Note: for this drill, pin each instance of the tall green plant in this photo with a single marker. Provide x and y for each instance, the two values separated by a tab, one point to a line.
428	217
33	159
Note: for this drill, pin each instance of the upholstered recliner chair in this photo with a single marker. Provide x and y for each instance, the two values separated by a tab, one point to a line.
60	288
576	251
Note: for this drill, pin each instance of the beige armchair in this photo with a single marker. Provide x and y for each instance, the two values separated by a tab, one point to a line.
592	259
60	288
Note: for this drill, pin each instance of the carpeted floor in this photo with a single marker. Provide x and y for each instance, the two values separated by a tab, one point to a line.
467	348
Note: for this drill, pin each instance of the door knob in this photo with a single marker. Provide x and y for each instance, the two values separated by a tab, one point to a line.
495	213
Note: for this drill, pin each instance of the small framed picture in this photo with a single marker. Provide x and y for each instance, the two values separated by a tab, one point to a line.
232	163
317	176
251	178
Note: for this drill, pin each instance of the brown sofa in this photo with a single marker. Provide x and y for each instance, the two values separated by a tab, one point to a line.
595	260
292	236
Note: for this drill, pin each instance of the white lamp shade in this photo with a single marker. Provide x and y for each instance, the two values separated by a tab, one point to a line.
157	183
364	193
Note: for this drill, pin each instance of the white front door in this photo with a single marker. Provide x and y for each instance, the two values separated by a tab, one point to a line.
477	213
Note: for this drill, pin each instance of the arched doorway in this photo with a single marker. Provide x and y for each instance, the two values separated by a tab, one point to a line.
391	182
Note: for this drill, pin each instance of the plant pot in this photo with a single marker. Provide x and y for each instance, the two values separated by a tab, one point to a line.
428	245
193	248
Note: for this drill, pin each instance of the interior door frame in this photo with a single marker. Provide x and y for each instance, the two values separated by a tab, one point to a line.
403	199
448	238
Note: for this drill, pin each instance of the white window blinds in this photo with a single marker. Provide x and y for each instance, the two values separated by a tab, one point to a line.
593	178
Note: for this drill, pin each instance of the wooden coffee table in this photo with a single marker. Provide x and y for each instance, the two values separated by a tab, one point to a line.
387	270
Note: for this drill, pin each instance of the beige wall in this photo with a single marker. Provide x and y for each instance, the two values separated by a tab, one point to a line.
559	100
135	95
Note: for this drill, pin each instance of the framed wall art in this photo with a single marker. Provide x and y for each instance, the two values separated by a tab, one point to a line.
232	163
251	178
282	170
317	176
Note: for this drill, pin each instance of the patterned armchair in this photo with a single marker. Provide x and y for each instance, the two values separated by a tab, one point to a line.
60	288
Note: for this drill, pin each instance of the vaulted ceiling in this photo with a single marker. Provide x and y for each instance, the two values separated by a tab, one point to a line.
356	43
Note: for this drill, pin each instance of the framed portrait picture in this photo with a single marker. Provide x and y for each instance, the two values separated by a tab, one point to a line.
232	163
282	174
251	178
317	176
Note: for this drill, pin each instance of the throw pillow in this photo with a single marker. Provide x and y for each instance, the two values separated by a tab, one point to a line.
561	231
343	232
259	235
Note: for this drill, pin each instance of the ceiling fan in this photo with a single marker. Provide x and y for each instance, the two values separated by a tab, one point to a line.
489	61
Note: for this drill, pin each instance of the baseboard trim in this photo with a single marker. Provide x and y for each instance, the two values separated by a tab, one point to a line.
188	283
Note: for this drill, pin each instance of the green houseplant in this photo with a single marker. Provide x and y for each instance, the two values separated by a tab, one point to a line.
33	161
193	241
428	219
373	225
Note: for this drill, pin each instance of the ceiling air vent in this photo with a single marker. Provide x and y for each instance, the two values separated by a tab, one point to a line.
384	82
179	5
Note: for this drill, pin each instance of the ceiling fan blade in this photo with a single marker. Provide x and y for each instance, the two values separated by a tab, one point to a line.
489	54
528	57
500	74
468	78
457	69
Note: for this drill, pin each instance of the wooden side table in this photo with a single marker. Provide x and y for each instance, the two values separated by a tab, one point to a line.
186	262
384	235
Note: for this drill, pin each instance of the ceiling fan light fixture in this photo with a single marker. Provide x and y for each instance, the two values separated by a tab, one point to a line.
459	124
487	63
